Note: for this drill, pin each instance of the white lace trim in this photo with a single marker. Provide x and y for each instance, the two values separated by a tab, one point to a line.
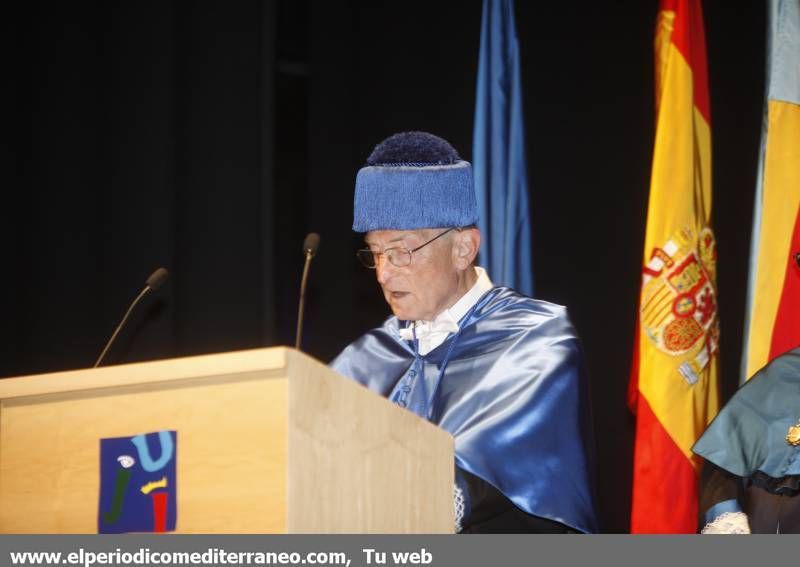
458	502
728	523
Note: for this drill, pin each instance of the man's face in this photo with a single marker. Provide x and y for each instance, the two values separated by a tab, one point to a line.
427	286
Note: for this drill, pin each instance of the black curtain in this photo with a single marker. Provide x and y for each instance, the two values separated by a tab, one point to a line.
143	140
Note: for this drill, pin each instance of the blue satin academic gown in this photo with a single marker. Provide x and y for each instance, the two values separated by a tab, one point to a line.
748	434
510	386
747	439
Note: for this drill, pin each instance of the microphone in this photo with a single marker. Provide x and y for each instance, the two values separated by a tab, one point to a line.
155	281
310	245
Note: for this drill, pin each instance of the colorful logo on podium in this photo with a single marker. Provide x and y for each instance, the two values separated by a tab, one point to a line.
137	483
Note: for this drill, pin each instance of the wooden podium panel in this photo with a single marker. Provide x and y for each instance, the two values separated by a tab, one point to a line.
268	441
360	464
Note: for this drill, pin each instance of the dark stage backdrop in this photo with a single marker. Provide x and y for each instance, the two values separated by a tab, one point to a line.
210	137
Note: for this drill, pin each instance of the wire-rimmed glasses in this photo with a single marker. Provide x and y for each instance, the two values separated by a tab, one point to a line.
398	256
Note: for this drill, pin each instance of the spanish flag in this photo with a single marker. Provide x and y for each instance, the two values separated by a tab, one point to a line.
673	387
773	298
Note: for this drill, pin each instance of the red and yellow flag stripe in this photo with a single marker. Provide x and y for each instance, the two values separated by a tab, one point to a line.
673	388
774	296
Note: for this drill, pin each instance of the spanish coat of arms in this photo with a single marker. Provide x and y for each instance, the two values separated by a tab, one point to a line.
679	305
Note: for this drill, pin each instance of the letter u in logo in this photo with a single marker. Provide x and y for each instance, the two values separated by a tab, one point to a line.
147	462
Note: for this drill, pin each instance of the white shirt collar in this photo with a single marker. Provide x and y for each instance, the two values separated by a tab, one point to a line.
433	333
463	305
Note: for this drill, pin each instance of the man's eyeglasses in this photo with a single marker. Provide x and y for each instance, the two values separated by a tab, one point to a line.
399	256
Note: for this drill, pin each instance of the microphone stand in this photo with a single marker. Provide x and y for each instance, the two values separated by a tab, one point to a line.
301	306
155	281
142	293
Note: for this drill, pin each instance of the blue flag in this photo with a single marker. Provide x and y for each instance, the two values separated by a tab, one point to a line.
498	153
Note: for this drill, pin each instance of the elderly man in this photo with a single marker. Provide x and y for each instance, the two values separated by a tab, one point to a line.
503	373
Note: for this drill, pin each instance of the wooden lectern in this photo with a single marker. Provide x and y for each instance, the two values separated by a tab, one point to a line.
269	441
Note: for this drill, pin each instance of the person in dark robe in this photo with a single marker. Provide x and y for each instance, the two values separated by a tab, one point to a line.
502	372
751	477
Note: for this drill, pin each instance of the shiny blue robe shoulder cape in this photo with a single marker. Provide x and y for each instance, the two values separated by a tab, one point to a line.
748	434
514	397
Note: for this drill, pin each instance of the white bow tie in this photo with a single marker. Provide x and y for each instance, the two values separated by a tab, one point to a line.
424	329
